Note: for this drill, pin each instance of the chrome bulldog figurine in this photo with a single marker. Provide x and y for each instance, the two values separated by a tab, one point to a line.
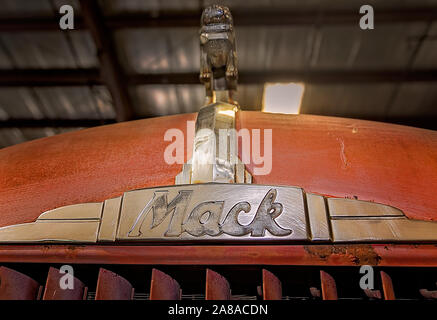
218	58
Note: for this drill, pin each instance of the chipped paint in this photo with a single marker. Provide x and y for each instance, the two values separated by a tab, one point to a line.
342	153
357	254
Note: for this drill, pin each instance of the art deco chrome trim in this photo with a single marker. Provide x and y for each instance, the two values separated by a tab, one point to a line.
225	213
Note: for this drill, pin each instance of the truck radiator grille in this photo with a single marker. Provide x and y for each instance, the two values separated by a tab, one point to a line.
218	282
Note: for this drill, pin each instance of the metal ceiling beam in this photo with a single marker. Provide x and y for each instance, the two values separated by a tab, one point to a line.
271	17
340	76
410	65
327	77
249	17
50	77
54	123
110	67
34	24
72	77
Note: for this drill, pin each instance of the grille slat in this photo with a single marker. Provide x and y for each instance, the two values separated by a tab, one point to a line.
329	287
217	287
15	285
111	286
272	286
52	288
387	286
200	283
164	287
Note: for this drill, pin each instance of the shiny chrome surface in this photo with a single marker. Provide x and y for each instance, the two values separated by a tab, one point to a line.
76	211
75	223
318	217
51	231
389	230
213	211
108	225
215	148
347	207
223	212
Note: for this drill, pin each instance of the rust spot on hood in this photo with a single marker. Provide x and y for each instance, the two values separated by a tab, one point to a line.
356	254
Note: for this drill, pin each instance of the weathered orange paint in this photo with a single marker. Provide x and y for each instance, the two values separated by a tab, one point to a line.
390	164
84	166
373	161
379	162
388	255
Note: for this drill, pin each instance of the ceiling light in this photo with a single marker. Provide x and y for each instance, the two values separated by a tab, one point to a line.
283	97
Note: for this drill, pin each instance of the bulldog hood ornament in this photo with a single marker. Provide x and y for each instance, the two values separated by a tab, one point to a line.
218	57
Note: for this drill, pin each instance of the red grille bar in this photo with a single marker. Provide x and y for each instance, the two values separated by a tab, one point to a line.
387	286
329	288
417	283
111	286
53	290
164	287
17	286
217	287
272	287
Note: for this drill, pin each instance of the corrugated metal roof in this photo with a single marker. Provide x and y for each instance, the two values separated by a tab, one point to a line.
123	6
114	7
427	55
276	48
47	49
385	47
34	8
159	100
418	99
56	103
173	50
159	50
168	99
353	100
